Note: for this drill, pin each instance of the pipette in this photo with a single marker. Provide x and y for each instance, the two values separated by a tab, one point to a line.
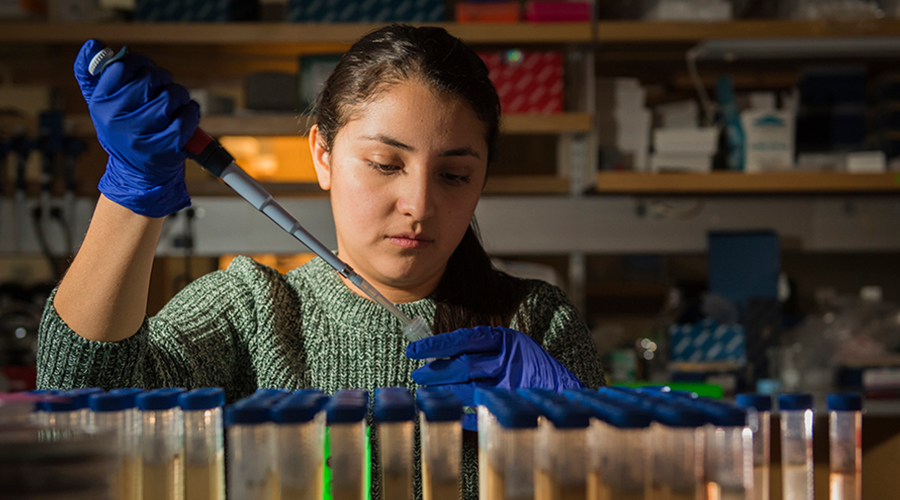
207	152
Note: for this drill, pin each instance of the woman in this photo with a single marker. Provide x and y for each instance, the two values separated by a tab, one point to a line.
405	130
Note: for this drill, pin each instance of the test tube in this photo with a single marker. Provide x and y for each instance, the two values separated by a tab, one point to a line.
506	457
252	470
62	412
845	439
759	411
729	451
300	427
162	444
81	398
682	442
560	445
39	416
796	446
619	448
204	454
395	414
439	426
346	413
111	412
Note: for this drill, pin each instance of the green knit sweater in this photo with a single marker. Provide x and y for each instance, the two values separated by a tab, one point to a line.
250	326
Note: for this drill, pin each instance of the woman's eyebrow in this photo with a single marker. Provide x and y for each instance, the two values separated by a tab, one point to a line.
390	141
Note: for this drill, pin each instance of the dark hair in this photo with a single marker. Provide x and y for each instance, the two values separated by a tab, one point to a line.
471	292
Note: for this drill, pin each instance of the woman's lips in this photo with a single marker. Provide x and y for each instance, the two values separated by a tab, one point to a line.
408	241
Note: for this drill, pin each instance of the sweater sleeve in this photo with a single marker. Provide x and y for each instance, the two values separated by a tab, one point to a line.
194	341
554	322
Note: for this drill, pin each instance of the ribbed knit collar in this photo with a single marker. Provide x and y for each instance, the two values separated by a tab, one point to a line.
347	308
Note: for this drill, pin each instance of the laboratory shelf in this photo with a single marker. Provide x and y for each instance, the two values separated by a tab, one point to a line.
279	33
271	124
496	185
666	31
746	183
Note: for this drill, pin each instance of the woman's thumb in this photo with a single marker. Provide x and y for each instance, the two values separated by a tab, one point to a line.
87	81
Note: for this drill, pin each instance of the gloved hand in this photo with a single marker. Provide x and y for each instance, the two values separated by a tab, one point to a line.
487	357
143	121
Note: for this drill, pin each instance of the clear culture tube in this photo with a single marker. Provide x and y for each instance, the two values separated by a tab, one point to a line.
845	451
162	444
759	420
441	438
204	452
796	446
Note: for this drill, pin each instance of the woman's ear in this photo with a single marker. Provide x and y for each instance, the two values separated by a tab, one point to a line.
321	158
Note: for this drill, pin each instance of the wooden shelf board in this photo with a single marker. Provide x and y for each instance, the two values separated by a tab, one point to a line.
280	33
666	31
741	183
526	184
272	124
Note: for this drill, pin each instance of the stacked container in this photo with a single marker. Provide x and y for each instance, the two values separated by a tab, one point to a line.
439	427
796	446
560	447
729	451
619	448
300	434
162	444
346	418
845	452
395	414
204	454
506	425
114	413
759	417
252	469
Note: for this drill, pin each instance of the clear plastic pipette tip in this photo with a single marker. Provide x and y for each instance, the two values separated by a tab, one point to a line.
413	329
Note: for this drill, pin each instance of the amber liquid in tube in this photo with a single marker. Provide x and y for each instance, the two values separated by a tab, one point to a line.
126	482
596	490
794	480
307	492
761	482
845	486
494	485
396	486
161	481
715	492
682	495
437	490
203	481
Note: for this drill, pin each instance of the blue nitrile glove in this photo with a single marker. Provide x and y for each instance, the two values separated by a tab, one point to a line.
487	357
143	121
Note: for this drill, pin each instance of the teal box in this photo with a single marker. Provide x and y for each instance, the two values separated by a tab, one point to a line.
365	11
196	10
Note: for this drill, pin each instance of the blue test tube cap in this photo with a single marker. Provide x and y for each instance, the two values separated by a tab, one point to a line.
676	415
205	398
511	410
248	412
845	401
757	401
394	404
159	399
130	394
82	397
299	407
347	406
616	413
563	413
721	414
108	402
795	401
439	405
58	403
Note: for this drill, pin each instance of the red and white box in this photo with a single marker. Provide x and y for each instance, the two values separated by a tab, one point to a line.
539	11
527	82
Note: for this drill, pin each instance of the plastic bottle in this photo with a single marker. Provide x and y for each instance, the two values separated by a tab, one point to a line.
112	412
506	453
796	446
204	453
162	444
845	452
346	413
300	433
395	414
560	447
759	419
441	438
252	470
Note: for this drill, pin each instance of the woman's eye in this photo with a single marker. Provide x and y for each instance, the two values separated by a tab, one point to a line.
383	168
455	179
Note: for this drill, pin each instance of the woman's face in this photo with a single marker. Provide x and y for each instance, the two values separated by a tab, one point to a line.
405	175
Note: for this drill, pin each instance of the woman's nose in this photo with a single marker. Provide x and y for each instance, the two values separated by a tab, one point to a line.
417	197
